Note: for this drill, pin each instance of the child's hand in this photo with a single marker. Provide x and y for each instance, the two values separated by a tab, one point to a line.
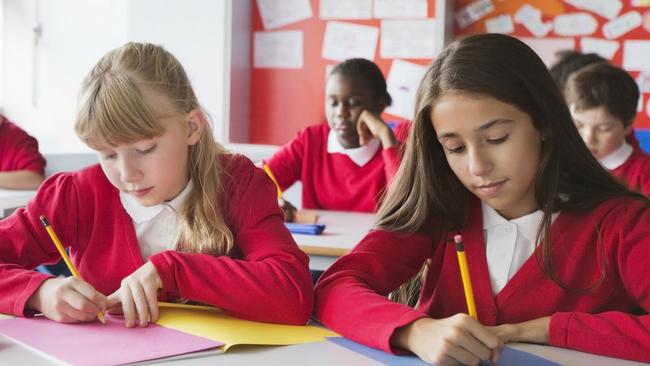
457	340
67	300
370	125
137	298
533	331
288	209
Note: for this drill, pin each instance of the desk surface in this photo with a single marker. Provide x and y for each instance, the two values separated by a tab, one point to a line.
343	231
312	354
11	199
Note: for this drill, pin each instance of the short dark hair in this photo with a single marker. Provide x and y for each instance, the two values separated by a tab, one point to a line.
604	85
366	72
569	62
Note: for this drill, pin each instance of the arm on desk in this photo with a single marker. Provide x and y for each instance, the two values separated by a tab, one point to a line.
21	179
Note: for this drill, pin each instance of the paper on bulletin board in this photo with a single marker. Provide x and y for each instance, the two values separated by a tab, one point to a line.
401	8
500	24
278	49
277	14
413	38
345	9
402	83
348	40
547	48
606	8
605	48
473	12
643	81
636	54
575	24
214	324
621	25
531	18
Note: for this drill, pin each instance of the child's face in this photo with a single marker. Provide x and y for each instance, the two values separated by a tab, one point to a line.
345	99
602	133
152	170
492	147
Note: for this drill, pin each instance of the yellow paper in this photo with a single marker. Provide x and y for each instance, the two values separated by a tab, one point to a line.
214	324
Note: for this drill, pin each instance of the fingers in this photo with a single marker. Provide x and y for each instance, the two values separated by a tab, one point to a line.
95	297
364	132
141	306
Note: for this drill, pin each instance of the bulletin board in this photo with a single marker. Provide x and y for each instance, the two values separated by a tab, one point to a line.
618	30
290	96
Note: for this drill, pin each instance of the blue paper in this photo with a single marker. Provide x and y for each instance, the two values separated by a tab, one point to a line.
309	229
509	356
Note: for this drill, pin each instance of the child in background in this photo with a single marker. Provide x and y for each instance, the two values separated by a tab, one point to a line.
570	61
21	165
347	163
166	215
603	101
556	247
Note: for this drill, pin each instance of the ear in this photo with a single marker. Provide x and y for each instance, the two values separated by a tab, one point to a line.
627	129
195	123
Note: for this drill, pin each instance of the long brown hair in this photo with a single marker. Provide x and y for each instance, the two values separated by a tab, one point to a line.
112	108
425	189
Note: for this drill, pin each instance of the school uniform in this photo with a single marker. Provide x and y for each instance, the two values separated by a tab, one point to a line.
630	165
334	178
350	297
265	279
18	150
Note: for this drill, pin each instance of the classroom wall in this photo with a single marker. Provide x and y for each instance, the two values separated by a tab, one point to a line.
288	97
552	25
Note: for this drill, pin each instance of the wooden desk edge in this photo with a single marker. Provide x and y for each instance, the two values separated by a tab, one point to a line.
328	252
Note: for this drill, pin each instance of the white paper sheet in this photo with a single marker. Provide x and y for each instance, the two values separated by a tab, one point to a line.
647	108
277	14
401	8
639	105
575	24
407	38
473	12
621	25
602	47
347	40
605	8
402	84
643	81
547	48
531	18
345	9
500	24
278	49
636	55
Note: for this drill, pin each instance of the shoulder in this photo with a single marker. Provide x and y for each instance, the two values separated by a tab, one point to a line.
317	131
11	130
624	209
401	129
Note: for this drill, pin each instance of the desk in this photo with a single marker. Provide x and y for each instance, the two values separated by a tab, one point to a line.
344	230
312	354
12	199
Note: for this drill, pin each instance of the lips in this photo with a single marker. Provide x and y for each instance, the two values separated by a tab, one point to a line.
141	192
491	189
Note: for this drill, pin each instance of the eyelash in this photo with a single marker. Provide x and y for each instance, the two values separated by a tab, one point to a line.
144	152
498	141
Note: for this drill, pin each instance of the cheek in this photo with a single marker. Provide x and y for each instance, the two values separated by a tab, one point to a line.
459	167
111	172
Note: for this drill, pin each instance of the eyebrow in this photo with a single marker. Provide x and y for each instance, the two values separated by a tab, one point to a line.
483	127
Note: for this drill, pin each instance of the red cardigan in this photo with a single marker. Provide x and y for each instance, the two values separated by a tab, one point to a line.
350	296
18	150
334	181
266	279
635	172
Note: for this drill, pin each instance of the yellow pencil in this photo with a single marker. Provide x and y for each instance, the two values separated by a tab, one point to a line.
464	273
270	174
65	257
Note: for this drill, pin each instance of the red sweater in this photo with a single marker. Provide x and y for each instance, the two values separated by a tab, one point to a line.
18	150
334	181
266	279
350	296
635	172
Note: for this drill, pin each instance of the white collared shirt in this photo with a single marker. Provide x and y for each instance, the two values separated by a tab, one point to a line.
156	227
509	243
359	155
618	157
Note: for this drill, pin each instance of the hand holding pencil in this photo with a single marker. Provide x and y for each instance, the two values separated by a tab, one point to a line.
67	300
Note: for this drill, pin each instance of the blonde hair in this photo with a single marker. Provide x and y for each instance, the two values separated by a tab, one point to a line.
112	108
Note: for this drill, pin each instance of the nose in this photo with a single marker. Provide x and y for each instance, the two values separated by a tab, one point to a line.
479	162
342	111
589	136
129	171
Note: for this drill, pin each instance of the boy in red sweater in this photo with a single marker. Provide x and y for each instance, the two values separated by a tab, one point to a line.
603	101
166	215
21	165
556	247
346	163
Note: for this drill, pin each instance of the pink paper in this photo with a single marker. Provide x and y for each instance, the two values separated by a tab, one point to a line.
99	344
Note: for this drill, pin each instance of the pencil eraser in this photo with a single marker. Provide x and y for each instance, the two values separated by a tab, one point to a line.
458	239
